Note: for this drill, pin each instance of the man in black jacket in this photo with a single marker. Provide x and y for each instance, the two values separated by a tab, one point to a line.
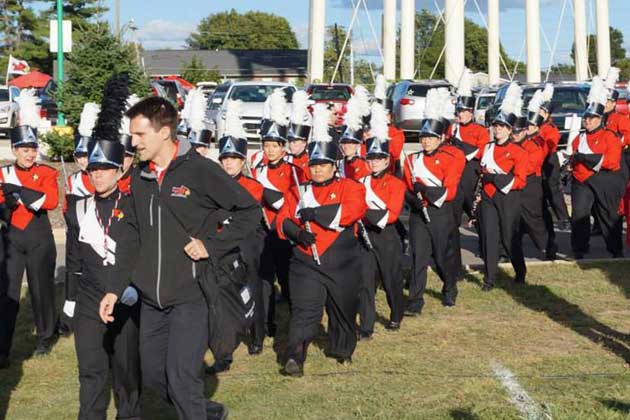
175	192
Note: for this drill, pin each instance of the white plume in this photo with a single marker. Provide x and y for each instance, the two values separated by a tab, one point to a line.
612	78
185	113
279	112
29	112
448	104
353	117
598	92
464	88
378	122
547	94
433	105
233	123
363	100
513	101
536	101
197	111
380	87
125	123
321	117
132	100
299	109
89	115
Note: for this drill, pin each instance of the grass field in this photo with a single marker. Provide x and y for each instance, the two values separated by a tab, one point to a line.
564	336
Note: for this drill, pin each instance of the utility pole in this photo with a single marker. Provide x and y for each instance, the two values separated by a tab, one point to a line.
117	18
338	50
61	121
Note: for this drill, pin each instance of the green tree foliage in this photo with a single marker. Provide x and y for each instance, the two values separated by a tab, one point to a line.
332	49
617	51
96	55
195	71
249	31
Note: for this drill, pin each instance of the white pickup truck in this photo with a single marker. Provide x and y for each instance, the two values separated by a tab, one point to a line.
8	109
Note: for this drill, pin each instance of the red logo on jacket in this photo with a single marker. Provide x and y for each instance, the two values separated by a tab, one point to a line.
182	191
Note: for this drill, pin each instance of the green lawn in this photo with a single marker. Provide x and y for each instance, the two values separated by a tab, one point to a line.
564	336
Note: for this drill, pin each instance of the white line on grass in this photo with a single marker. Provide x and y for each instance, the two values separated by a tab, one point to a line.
518	396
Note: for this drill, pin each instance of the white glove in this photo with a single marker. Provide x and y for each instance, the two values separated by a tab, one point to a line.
129	296
68	308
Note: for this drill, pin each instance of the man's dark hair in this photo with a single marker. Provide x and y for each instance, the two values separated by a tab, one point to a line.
158	110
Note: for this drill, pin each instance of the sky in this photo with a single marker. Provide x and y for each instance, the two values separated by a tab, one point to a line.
164	26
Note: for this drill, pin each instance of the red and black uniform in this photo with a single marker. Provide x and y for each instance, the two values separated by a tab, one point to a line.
619	124
332	208
434	177
396	144
276	179
124	183
532	215
552	191
354	168
301	164
598	185
29	194
385	195
504	168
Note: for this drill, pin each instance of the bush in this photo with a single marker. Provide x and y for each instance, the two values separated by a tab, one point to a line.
59	144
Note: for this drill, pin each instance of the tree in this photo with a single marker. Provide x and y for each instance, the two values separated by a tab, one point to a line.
95	56
617	51
335	36
194	71
249	31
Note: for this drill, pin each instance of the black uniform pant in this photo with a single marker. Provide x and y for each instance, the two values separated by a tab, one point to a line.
100	347
552	191
173	342
625	163
334	285
384	260
458	212
432	239
532	221
602	193
274	263
468	183
33	250
499	222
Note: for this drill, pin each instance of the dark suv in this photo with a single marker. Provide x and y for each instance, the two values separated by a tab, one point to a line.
568	99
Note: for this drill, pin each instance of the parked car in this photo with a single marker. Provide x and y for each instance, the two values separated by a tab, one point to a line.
569	99
47	102
252	95
483	99
408	99
622	101
173	91
9	110
334	94
207	88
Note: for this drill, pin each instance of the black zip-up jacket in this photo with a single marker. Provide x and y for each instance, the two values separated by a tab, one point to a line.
195	194
87	278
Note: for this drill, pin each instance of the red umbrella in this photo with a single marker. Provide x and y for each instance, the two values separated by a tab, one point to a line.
34	79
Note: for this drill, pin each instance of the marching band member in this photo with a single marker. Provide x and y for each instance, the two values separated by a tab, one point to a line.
299	130
384	198
616	121
432	177
598	182
325	269
78	184
29	191
504	171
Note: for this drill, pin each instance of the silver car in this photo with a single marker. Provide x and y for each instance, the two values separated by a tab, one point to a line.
408	99
8	109
252	95
483	101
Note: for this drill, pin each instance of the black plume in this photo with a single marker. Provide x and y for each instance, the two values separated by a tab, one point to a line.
113	106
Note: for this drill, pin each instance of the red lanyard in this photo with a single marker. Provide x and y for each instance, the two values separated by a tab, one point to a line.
109	221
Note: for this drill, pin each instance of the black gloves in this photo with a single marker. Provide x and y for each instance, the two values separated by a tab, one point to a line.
307	213
419	187
305	238
10	188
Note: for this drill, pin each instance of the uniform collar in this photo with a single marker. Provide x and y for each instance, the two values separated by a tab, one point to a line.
594	131
380	174
323	184
20	168
111	197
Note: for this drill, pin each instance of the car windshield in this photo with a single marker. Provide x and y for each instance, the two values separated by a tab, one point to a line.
484	102
421	90
564	101
330	93
252	93
4	95
623	93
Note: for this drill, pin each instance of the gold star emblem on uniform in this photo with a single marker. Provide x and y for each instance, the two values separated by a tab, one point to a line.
437	161
35	177
332	196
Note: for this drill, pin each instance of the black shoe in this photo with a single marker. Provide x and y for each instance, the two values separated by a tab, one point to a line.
344	361
578	255
44	347
63	328
4	362
254	349
216	411
413	310
487	287
618	254
271	330
392	326
519	279
365	336
448	301
551	253
293	368
218	367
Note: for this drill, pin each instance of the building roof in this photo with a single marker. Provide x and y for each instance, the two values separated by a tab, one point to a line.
230	63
